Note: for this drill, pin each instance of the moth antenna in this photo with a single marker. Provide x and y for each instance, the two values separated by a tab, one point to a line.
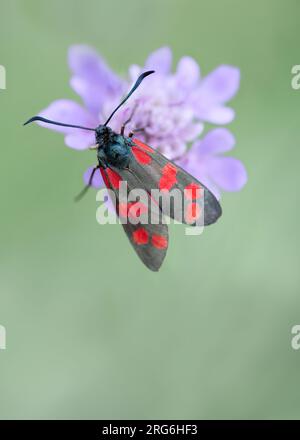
137	83
48	121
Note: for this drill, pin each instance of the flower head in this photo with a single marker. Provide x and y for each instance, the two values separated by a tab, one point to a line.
169	111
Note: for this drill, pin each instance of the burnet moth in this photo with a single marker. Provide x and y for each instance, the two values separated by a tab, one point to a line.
125	159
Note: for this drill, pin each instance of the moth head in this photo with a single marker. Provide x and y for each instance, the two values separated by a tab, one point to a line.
103	135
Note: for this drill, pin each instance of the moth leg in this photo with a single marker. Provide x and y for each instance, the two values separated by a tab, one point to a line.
102	163
102	159
85	189
128	120
132	133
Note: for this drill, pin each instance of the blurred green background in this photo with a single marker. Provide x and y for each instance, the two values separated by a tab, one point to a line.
91	333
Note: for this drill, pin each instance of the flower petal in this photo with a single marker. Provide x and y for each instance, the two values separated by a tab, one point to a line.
97	181
188	73
206	181
227	172
214	90
220	85
215	114
192	131
174	148
69	112
160	61
81	140
93	80
134	71
218	140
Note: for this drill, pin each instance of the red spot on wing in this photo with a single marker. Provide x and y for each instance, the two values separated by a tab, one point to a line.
159	241
192	212
132	209
193	191
142	145
111	178
137	209
104	177
168	178
140	236
123	209
114	178
142	157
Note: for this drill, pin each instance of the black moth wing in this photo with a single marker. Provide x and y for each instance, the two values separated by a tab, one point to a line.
150	241
151	172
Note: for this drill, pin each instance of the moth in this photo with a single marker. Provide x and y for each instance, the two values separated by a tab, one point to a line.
124	158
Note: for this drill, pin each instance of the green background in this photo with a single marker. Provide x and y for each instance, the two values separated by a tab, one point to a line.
91	333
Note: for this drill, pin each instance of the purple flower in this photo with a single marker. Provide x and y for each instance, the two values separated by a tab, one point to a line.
171	108
205	161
